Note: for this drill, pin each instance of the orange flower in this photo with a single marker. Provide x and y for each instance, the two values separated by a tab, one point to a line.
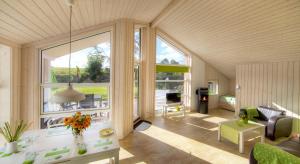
67	120
78	122
75	125
86	124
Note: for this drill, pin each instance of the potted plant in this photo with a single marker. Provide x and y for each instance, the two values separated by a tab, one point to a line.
12	135
244	117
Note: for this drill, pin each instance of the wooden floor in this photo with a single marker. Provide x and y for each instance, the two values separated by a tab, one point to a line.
190	139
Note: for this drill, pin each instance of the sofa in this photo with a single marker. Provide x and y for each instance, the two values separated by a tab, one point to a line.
276	122
288	148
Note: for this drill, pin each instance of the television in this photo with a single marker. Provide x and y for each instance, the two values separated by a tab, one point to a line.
173	98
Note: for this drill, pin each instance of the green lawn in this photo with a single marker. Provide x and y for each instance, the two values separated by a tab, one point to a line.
101	90
65	71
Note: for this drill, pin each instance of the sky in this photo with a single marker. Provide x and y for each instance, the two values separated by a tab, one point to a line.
164	50
79	58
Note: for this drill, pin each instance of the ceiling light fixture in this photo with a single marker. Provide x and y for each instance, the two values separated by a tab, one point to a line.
69	94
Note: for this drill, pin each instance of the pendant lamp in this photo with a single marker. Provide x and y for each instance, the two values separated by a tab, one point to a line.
69	94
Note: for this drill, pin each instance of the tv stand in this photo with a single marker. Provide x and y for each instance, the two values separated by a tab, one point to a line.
166	106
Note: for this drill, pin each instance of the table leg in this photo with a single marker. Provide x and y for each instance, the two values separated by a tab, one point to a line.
262	135
183	107
241	142
116	157
219	132
111	161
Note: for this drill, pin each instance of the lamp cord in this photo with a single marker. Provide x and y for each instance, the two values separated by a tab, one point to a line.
70	45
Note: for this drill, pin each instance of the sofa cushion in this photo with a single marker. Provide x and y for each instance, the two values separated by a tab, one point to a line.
265	113
292	146
252	113
265	153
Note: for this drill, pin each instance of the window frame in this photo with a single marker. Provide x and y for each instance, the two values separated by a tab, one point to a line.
215	90
43	85
187	76
138	63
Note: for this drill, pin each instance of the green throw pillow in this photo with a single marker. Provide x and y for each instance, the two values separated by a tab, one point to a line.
265	153
252	113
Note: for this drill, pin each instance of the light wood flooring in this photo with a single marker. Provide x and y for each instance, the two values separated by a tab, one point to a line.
189	139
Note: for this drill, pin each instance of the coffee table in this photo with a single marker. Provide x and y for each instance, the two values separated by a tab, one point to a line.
234	131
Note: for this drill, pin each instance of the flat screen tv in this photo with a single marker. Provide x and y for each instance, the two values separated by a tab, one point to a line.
173	98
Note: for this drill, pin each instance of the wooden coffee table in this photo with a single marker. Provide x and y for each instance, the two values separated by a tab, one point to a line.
234	131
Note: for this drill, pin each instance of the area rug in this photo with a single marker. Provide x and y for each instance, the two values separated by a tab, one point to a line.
142	125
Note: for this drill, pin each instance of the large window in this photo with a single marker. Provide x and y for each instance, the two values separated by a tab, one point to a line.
137	66
90	74
170	71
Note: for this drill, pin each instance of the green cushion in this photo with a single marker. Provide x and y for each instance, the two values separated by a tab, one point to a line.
252	113
265	153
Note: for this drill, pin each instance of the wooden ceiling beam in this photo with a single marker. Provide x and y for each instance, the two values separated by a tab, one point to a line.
172	6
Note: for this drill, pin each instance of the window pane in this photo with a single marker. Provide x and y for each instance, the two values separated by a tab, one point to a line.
169	76
162	88
57	121
170	86
168	82
137	45
97	97
90	62
168	54
213	87
137	58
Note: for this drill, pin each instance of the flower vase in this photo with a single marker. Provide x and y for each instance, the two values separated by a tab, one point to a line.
11	147
245	121
78	137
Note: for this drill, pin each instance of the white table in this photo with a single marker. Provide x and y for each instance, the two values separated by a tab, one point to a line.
166	106
48	139
260	128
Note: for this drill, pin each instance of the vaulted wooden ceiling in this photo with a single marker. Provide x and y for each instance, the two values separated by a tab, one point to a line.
228	32
24	21
222	32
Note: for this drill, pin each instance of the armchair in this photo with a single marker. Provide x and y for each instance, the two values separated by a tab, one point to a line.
277	123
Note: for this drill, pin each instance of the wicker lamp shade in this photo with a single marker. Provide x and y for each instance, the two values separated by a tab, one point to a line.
68	95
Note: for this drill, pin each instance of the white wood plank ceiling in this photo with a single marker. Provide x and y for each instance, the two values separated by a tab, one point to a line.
228	32
24	21
222	32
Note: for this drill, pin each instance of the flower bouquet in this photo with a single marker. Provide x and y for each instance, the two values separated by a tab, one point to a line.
78	122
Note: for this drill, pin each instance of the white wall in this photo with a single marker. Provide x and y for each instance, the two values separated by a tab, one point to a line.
197	79
274	84
5	83
232	86
201	73
223	85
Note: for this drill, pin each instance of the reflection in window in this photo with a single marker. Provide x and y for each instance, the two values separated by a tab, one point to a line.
90	73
